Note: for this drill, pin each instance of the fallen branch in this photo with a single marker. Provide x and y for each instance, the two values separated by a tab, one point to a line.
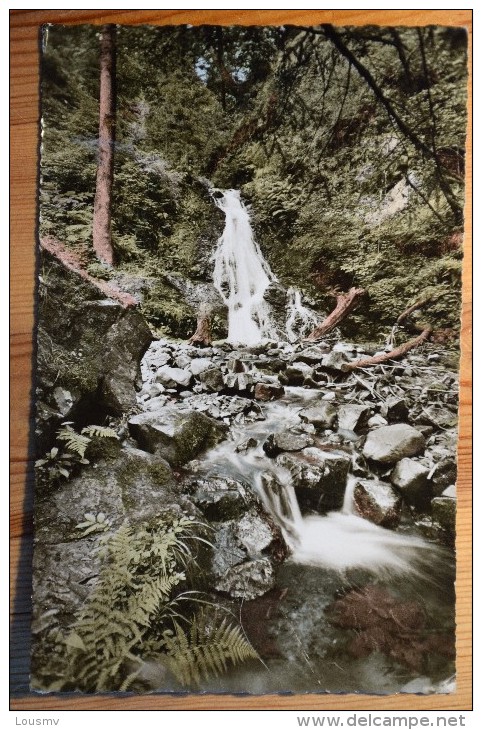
395	354
402	320
413	308
72	261
345	303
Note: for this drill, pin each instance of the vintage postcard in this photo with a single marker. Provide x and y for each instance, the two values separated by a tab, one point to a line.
250	251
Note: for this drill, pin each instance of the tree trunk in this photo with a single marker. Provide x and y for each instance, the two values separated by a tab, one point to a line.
417	141
202	335
102	238
395	354
345	303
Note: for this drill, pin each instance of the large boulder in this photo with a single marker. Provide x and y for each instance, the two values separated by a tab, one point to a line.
178	435
318	476
134	486
63	574
89	351
410	478
377	502
244	551
389	444
125	343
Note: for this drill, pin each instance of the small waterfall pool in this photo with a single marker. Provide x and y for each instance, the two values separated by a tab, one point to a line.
331	555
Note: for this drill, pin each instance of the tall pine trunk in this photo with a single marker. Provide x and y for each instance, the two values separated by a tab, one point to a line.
102	238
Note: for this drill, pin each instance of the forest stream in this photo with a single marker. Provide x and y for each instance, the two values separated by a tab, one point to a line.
247	386
363	601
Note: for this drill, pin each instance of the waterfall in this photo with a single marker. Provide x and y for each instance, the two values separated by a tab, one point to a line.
241	275
343	540
339	540
300	320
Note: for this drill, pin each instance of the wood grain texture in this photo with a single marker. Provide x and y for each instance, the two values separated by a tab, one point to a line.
24	25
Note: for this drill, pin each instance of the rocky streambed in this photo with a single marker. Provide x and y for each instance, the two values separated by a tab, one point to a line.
322	486
330	499
393	427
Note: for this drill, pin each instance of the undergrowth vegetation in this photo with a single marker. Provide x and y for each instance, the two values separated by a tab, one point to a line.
68	456
142	611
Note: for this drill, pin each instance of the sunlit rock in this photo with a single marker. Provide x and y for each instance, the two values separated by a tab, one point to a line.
378	502
389	444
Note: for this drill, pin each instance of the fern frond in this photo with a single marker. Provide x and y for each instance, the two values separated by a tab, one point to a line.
205	651
130	603
75	442
99	432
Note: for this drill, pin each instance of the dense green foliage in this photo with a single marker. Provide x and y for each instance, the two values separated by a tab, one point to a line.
348	143
132	615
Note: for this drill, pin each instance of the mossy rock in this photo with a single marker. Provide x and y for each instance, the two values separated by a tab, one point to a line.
176	435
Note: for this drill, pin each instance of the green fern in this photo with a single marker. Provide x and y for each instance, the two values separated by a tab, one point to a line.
99	432
130	612
78	442
206	650
75	442
141	569
93	523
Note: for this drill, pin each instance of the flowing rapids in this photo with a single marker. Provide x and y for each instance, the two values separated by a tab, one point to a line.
341	540
241	275
334	560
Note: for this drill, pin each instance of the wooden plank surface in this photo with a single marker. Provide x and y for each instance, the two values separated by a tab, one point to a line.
24	28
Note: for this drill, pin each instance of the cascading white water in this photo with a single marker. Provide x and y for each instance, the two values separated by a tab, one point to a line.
343	540
241	275
299	320
338	541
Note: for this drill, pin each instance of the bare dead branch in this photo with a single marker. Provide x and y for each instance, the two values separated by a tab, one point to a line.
395	354
345	303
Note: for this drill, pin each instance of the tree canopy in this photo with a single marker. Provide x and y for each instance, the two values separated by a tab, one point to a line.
347	142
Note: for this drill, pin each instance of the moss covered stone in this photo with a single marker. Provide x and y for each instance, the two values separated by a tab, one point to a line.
178	435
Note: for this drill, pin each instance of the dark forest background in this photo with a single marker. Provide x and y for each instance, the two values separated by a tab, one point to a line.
348	143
